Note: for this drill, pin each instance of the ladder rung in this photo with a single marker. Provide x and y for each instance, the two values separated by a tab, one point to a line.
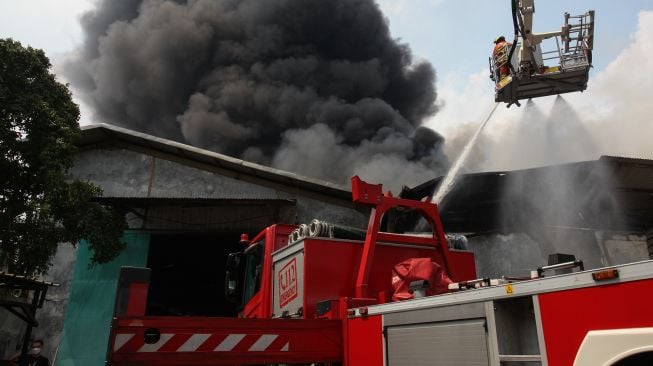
518	358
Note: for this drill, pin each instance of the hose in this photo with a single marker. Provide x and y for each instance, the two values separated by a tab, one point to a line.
294	236
323	229
320	228
516	28
303	230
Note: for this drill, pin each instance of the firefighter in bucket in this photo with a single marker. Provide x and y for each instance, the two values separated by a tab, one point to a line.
500	58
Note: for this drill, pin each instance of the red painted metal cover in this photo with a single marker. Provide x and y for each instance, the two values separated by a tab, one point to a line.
567	316
416	269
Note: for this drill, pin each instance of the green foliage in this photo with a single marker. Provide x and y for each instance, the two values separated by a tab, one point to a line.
39	206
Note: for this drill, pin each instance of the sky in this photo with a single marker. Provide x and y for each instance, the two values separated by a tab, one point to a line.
456	37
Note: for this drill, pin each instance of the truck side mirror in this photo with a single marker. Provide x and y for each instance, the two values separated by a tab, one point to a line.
232	288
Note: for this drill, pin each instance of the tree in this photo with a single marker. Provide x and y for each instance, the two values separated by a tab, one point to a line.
39	206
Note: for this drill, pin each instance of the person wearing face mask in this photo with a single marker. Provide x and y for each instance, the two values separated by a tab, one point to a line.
33	357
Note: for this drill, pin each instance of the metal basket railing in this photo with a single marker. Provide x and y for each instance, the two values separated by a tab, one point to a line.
572	50
578	41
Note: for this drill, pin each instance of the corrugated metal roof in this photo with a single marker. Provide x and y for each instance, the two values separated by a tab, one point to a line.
506	200
102	134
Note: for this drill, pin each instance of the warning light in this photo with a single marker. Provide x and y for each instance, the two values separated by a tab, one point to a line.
244	239
608	274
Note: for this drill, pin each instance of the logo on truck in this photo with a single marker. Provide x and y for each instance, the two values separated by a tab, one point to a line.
288	283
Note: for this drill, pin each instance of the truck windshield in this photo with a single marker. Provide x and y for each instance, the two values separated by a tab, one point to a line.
253	269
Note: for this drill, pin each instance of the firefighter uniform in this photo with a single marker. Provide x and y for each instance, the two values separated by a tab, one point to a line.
500	56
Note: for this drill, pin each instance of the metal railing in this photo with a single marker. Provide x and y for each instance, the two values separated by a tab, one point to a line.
578	40
573	50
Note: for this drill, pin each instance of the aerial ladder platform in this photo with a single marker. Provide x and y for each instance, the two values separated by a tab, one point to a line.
535	72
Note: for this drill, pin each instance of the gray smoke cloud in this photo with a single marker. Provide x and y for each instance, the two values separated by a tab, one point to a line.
315	87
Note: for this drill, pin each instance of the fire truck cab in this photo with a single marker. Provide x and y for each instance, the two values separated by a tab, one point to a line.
279	275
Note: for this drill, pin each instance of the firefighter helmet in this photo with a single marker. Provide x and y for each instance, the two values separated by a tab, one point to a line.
499	39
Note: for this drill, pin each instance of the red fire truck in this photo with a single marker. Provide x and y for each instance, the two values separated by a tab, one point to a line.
329	300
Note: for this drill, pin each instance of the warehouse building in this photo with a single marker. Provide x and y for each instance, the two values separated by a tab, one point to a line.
187	208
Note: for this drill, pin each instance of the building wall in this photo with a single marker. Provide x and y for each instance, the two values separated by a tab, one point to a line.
621	248
49	317
517	254
126	173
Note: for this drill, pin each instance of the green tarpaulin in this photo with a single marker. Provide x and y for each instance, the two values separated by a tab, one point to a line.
90	307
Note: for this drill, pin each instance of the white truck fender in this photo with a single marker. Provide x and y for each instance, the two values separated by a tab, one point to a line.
605	347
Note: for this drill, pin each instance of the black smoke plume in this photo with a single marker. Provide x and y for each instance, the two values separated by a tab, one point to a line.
312	86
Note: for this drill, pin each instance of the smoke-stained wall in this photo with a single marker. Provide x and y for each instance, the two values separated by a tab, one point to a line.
314	87
127	173
518	254
49	317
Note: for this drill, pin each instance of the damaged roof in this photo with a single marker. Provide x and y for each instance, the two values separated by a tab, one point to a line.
611	193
